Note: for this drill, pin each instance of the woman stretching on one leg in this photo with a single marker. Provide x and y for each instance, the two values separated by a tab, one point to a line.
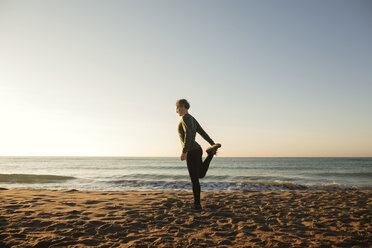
191	150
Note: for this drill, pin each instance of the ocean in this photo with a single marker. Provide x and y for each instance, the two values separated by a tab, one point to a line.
154	173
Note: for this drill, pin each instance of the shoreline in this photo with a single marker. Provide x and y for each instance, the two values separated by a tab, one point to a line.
209	187
163	218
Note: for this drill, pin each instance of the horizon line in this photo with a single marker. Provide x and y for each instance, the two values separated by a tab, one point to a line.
107	156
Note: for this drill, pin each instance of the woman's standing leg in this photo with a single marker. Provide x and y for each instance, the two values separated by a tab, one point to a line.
194	165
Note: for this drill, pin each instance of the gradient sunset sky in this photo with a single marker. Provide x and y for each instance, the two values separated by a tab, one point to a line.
264	78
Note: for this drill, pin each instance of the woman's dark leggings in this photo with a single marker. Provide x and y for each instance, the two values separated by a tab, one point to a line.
197	169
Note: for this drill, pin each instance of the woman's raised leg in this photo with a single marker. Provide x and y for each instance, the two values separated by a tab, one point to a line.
205	165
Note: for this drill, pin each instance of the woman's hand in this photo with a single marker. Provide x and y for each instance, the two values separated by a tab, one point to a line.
183	156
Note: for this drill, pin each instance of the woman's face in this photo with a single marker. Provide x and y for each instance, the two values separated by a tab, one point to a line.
180	110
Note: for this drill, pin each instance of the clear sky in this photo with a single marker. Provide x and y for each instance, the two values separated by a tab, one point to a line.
264	78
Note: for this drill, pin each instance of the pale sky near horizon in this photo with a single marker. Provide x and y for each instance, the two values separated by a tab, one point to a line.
264	78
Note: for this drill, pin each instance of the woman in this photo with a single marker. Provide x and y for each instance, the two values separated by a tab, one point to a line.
191	150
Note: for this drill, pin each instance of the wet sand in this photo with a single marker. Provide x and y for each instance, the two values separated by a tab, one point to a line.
70	218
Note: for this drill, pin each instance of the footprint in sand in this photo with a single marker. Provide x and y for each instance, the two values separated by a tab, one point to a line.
42	215
110	228
112	207
74	212
94	223
12	206
90	242
91	202
99	215
71	190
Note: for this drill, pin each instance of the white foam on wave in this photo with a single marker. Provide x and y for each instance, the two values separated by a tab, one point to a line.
229	186
141	185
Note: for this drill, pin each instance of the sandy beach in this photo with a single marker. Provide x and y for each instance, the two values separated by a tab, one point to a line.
71	218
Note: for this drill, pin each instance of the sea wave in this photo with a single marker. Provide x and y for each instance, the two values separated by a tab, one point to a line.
354	174
175	177
227	186
32	178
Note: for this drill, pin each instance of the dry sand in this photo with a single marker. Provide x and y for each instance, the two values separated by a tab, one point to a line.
47	218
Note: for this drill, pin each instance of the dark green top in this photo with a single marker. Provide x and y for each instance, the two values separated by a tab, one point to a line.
187	129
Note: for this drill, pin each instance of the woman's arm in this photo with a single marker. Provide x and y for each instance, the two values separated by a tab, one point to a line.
201	131
186	125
